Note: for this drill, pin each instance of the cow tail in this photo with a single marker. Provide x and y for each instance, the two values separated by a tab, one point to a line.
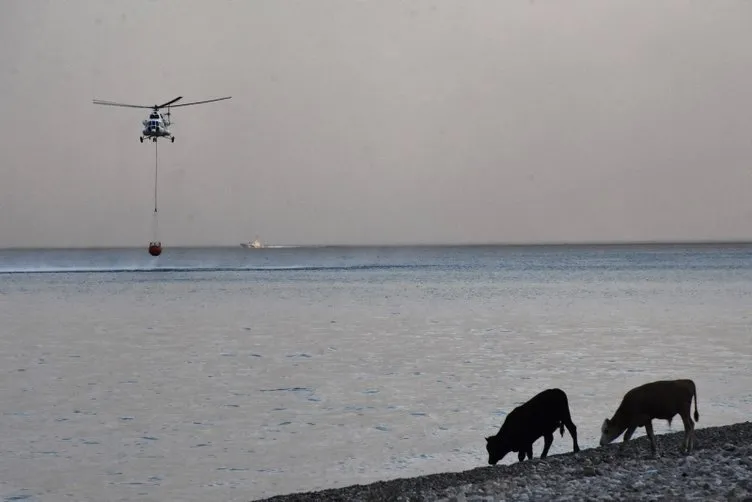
697	415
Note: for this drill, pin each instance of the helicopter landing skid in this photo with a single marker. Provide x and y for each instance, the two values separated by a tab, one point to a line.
155	138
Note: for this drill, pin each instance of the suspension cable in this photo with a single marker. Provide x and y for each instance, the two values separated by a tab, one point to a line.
156	173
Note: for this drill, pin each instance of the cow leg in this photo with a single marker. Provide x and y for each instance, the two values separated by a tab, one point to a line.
530	451
548	438
572	432
521	455
627	435
651	436
689	432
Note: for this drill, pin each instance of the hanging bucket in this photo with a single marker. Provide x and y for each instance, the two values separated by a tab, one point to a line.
155	248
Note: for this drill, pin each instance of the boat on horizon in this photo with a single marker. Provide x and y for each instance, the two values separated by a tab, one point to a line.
255	244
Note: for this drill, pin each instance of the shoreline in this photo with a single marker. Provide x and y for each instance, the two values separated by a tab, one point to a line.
719	468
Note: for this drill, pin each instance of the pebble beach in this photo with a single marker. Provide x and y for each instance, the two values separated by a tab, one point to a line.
719	468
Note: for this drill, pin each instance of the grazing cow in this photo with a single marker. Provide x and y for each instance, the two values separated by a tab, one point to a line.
661	400
540	416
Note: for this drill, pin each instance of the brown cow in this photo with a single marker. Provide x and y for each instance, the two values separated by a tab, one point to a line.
661	400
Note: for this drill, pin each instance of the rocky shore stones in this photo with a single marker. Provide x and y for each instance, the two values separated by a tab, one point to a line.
720	468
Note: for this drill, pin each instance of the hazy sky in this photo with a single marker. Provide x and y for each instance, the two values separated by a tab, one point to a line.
378	121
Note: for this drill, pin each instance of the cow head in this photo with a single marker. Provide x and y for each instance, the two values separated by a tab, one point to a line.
609	431
497	448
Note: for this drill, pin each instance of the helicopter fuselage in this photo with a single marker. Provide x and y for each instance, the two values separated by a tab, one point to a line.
156	127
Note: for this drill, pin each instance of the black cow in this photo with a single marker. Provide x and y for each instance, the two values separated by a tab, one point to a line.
661	400
528	422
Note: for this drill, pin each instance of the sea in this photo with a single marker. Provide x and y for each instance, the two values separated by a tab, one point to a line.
231	374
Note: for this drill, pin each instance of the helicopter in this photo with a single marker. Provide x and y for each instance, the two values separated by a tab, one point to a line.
158	125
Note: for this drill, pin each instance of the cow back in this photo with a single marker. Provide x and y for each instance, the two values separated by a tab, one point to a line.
658	400
541	415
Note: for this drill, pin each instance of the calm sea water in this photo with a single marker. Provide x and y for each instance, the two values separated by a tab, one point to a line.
232	374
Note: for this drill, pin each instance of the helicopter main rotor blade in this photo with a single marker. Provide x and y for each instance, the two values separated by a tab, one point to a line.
201	102
170	102
112	103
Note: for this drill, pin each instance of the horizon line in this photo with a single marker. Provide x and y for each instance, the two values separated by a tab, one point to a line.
615	243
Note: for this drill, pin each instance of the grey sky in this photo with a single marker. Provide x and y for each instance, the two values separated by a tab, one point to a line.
377	121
